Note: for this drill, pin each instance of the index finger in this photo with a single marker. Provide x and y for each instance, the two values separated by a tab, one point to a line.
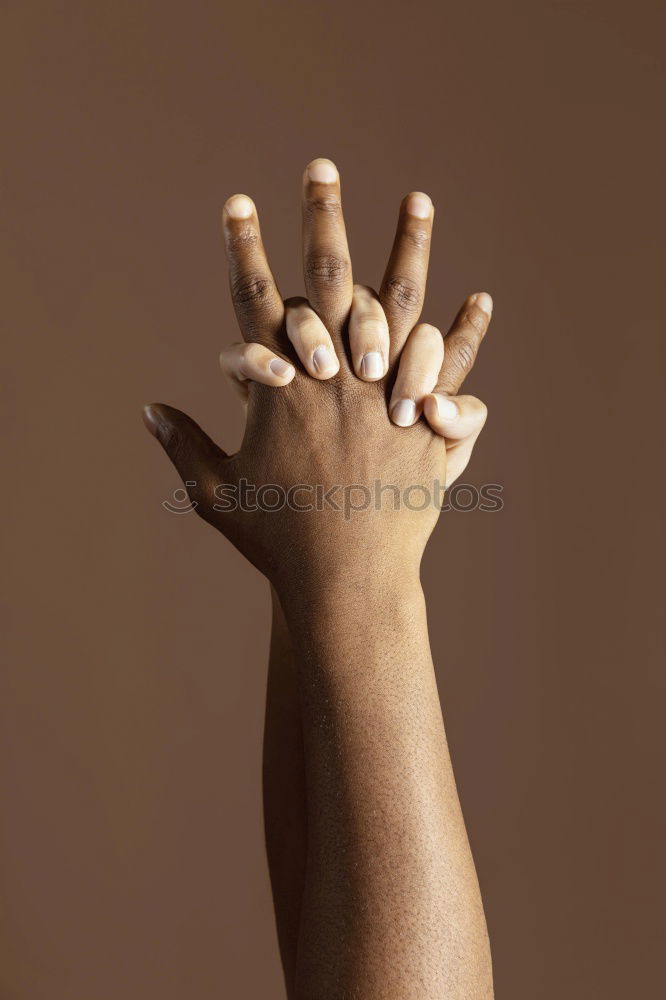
255	295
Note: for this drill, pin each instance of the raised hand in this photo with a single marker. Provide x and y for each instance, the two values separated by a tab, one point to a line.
335	385
380	328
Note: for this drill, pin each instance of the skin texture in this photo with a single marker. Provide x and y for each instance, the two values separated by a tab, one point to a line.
390	904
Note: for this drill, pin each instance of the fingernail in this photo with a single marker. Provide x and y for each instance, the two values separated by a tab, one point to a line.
152	420
239	207
280	368
322	172
404	413
323	361
484	301
446	408
372	365
419	205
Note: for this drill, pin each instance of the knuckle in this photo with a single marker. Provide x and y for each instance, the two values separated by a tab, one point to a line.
420	373
328	267
309	328
426	331
250	290
371	328
253	354
462	357
323	205
418	239
477	319
404	293
313	329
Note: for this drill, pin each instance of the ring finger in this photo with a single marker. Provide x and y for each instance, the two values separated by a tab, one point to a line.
403	286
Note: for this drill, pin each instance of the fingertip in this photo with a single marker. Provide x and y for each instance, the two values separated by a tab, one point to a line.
482	412
150	418
238	206
156	423
429	404
418	204
282	370
484	301
325	363
403	412
321	171
440	411
371	367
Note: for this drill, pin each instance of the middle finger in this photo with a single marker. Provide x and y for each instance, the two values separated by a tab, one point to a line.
326	261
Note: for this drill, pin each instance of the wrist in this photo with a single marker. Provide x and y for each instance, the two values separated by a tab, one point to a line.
350	590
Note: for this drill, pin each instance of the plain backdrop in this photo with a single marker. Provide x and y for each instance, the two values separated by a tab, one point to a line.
136	640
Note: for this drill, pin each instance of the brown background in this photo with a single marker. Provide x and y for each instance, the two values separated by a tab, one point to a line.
133	689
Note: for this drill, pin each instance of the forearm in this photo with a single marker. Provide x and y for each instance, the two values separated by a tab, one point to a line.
391	905
284	792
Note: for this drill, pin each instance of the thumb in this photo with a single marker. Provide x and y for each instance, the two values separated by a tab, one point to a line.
193	453
455	417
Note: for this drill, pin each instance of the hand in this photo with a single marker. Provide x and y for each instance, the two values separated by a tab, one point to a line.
328	436
421	371
425	375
